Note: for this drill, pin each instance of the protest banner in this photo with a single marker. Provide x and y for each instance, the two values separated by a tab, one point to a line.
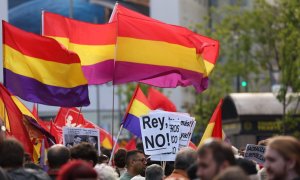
155	133
73	136
187	124
174	143
255	153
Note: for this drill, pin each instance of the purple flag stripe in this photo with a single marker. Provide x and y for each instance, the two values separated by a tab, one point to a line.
34	91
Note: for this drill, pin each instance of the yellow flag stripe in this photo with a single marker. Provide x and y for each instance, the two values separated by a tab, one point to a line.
138	108
46	72
89	54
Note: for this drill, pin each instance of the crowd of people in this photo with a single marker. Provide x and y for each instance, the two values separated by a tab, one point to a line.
213	160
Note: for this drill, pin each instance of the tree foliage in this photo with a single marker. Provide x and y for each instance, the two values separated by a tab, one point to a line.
257	45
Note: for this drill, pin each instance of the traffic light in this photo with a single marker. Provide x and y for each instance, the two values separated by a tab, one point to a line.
244	83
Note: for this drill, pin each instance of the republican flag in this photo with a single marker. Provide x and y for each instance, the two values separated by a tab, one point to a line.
160	54
38	69
13	119
22	125
158	100
39	135
94	44
137	107
214	127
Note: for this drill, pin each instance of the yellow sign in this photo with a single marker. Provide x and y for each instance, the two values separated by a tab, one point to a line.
268	126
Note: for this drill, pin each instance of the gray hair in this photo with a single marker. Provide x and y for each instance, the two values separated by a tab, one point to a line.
185	158
106	172
154	171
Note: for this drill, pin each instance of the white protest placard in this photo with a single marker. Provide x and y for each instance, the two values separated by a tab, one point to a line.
73	136
187	127
174	136
255	153
155	133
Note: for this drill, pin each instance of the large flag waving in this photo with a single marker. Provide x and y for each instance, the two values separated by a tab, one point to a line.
21	124
169	55
137	107
39	69
13	119
158	100
94	44
214	127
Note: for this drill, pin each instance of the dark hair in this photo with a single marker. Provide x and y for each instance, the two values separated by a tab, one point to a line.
185	158
102	158
11	153
192	171
130	155
105	151
85	151
27	157
76	170
220	151
120	157
58	155
248	166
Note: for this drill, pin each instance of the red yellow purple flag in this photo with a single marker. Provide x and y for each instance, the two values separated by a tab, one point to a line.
137	107
38	69
160	54
13	119
214	127
94	44
22	125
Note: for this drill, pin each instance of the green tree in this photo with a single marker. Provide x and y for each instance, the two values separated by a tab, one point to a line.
255	43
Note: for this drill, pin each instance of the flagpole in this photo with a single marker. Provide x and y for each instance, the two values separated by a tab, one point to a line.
115	145
42	23
98	104
113	80
78	115
113	110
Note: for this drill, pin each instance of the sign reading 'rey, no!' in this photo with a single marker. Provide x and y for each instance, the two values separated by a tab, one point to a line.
155	134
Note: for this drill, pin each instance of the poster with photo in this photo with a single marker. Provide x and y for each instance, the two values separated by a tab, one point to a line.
73	136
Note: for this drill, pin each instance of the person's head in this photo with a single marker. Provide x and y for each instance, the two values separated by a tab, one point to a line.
185	158
103	159
77	169
106	172
154	171
85	151
248	166
92	140
57	156
192	171
135	162
77	140
213	157
282	157
27	158
11	154
120	157
232	173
